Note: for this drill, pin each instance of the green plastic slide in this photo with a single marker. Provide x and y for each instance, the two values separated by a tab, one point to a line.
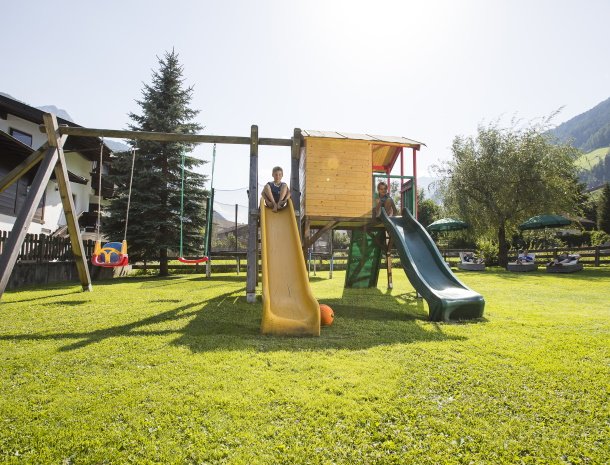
447	297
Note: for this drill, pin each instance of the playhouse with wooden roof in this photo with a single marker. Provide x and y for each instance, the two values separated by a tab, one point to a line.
338	173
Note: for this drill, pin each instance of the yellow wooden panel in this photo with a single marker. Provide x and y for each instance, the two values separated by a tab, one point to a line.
338	195
322	186
346	211
336	164
338	177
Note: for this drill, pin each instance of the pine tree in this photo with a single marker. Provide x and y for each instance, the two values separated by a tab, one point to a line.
603	214
154	215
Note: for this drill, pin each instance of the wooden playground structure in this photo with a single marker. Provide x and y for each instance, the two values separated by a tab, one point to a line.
332	184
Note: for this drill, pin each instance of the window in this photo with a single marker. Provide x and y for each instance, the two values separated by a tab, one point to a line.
13	198
22	136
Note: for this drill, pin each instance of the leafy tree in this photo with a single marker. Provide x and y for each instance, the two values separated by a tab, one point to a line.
603	216
599	173
502	176
427	210
587	204
154	216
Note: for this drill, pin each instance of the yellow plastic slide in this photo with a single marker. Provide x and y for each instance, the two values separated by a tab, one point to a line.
289	307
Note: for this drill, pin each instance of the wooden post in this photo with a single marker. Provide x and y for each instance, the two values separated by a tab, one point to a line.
597	258
388	259
252	270
24	218
65	192
295	157
305	241
332	253
236	231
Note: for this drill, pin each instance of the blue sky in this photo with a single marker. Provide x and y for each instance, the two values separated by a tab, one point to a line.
427	70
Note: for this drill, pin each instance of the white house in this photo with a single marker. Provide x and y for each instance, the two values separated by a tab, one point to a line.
20	136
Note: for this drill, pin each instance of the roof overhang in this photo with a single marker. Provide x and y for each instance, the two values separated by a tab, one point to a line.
376	139
88	147
13	152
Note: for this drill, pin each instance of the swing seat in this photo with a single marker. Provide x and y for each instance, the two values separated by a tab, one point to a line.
193	261
111	255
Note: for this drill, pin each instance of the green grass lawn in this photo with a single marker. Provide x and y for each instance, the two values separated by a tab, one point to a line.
150	370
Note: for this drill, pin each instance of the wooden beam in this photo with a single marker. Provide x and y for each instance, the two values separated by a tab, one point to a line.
65	192
22	168
309	241
24	218
51	128
166	136
388	259
276	142
252	265
295	157
306	231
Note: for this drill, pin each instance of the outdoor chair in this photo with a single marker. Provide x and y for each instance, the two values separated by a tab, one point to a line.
525	262
565	264
469	262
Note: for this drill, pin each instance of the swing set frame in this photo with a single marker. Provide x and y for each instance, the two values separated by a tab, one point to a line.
50	157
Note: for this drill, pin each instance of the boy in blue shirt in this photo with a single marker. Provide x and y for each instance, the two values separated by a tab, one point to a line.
276	193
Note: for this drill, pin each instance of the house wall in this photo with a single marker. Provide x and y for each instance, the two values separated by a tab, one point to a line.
54	216
38	138
337	178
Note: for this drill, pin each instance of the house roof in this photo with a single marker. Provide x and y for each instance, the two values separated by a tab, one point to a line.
13	147
14	152
402	141
88	147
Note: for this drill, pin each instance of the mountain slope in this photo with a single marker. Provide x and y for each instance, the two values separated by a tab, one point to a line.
588	160
589	130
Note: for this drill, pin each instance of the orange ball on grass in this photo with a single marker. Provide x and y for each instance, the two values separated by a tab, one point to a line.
327	316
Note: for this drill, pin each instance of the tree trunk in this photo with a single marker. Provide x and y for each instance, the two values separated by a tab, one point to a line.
163	269
502	246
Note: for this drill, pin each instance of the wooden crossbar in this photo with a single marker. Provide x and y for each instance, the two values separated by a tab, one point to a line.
167	136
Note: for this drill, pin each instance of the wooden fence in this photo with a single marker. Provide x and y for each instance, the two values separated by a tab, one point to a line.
589	256
43	248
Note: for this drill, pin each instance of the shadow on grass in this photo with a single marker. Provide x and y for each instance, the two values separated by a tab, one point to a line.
588	274
315	279
224	278
130	329
71	303
51	296
364	318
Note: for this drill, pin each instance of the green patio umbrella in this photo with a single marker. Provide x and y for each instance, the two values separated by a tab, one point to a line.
545	221
447	224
